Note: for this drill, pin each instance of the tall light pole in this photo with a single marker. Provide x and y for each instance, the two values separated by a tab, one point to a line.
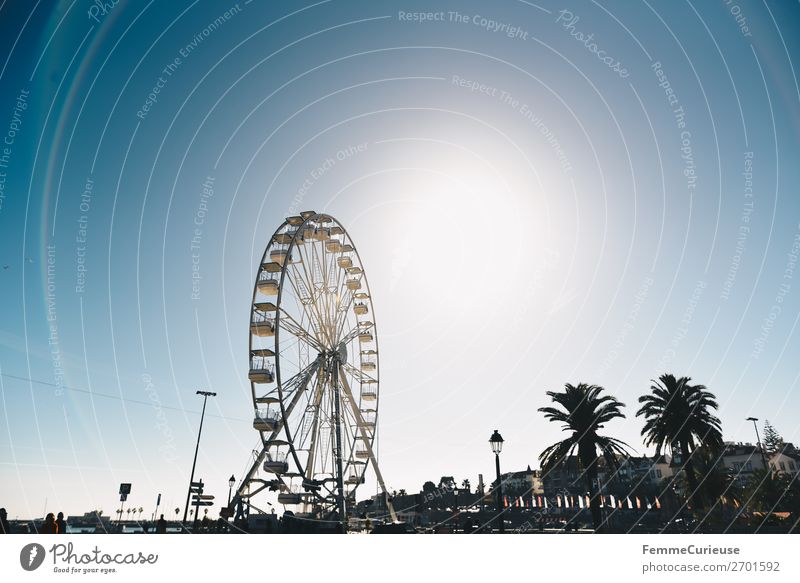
496	441
758	442
206	395
231	482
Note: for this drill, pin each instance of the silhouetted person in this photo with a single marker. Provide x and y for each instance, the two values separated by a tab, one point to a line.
61	523
161	525
5	528
49	526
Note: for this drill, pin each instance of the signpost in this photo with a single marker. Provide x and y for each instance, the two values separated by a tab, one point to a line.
199	499
158	503
124	490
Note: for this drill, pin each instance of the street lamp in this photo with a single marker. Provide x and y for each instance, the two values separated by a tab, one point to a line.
231	482
758	442
206	395
496	441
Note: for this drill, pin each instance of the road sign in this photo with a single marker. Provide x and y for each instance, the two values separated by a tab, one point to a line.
158	502
203	503
123	497
124	488
203	497
196	484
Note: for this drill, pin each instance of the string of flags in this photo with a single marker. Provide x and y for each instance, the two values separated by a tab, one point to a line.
581	502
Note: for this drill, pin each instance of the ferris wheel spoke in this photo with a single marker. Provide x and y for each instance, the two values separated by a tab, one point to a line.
319	392
287	322
351	335
306	294
298	381
358	374
302	283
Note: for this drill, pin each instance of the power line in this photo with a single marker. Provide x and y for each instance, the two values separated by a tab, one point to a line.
116	397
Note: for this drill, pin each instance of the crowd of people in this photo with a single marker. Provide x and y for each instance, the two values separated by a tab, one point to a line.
52	524
55	524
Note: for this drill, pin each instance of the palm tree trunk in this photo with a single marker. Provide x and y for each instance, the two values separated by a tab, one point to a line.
588	457
691	478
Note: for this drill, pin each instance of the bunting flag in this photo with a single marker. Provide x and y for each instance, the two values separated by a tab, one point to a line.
580	502
619	503
613	503
567	501
602	501
630	504
505	501
533	501
518	501
545	502
658	504
638	504
558	500
588	502
539	499
649	506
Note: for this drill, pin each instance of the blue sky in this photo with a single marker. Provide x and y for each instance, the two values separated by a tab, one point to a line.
533	206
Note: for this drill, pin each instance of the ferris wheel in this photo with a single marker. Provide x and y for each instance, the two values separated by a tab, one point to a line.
314	370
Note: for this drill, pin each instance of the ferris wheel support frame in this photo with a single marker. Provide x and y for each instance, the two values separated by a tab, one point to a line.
372	459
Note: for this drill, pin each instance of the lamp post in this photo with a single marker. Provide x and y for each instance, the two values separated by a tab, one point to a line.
758	442
231	482
206	395
496	441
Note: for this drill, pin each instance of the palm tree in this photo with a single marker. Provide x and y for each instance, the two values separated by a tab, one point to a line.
719	488
584	413
678	416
